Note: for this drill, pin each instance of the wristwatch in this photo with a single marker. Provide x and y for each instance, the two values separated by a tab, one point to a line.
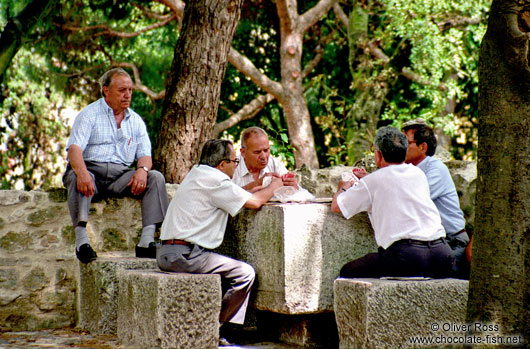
145	168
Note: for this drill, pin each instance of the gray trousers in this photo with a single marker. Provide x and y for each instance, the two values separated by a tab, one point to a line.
236	277
111	180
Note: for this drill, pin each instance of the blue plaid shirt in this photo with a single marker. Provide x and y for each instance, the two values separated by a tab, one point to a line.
96	132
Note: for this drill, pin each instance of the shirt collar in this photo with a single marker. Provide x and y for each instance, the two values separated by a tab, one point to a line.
243	167
126	112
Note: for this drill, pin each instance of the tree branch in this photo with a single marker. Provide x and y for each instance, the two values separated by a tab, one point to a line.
106	30
247	112
314	14
177	6
246	67
409	74
287	10
339	12
138	82
457	21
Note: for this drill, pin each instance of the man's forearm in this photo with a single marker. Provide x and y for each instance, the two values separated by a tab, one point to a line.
262	196
145	161
75	157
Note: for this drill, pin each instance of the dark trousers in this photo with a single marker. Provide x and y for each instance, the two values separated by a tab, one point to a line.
458	243
404	258
111	181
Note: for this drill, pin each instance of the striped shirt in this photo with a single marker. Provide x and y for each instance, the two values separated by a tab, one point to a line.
95	131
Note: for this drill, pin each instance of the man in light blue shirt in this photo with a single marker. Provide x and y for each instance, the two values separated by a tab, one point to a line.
107	137
421	147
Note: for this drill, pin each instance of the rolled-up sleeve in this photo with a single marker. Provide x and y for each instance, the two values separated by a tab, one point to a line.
81	130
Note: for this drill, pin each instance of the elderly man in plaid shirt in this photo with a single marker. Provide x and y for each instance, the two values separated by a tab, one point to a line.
107	137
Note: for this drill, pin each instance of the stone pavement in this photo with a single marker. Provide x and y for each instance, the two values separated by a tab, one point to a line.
75	338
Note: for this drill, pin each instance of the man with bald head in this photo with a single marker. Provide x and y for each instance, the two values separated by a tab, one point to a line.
256	162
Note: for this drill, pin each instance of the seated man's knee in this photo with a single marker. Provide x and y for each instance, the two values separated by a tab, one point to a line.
247	271
156	176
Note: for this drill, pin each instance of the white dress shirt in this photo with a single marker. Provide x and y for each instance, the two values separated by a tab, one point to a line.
199	210
398	203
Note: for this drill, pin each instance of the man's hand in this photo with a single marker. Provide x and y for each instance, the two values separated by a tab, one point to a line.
268	174
345	185
359	172
289	179
85	183
262	196
138	182
276	182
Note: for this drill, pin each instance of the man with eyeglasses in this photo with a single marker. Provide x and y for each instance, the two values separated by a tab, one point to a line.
407	226
256	162
196	221
421	148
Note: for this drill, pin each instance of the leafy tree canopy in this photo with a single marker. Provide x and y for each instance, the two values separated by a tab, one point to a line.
375	62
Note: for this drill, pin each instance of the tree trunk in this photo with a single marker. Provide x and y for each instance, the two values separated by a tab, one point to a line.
193	89
293	100
499	284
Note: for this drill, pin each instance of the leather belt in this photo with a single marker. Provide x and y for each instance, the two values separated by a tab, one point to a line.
175	242
422	243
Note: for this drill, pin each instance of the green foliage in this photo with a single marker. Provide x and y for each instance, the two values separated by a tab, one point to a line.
70	50
432	51
32	129
349	94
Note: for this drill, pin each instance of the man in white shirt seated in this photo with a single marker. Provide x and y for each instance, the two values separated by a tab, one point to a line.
421	149
196	221
256	162
407	226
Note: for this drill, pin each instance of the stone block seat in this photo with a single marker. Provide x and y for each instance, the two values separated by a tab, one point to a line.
168	310
99	289
386	313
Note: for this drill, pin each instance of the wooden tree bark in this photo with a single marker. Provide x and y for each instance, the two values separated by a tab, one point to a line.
499	282
292	29
193	88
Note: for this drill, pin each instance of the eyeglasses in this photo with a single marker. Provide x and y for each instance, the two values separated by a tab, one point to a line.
235	160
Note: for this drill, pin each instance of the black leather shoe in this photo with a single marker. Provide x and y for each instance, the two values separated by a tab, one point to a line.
86	254
146	252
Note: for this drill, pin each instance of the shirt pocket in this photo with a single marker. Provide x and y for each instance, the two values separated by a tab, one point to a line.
129	145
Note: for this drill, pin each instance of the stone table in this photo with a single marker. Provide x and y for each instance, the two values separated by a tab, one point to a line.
297	250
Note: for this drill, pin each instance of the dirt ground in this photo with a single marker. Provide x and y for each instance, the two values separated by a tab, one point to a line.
74	338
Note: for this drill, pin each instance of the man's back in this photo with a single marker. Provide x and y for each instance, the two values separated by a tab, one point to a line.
443	194
397	200
200	207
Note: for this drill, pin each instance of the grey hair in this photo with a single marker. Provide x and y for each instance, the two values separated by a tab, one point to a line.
392	144
249	132
214	151
106	79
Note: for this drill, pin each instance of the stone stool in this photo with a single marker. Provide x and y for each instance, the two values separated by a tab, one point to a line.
386	313
168	310
98	290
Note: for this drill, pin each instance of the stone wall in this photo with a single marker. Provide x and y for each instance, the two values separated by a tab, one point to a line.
39	274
